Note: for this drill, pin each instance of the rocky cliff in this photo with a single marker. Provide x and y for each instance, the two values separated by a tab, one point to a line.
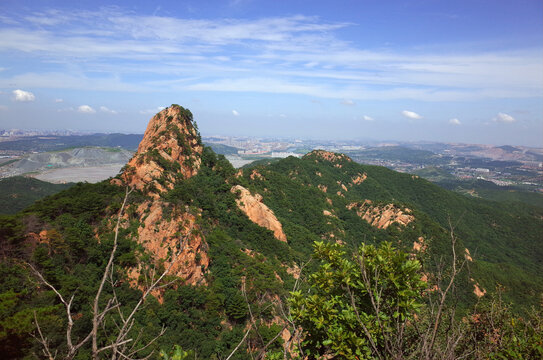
258	212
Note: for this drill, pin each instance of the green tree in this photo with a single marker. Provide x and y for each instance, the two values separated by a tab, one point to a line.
358	305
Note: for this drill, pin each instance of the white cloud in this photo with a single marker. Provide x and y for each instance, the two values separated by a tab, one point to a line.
235	113
367	118
23	96
504	118
59	100
411	114
282	116
455	121
107	110
86	109
348	102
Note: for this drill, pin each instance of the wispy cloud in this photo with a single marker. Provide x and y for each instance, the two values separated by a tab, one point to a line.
23	96
107	110
367	118
348	102
504	118
86	109
411	114
235	113
59	100
290	55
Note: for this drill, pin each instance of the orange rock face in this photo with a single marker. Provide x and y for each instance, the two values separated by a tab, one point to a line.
467	255
256	175
170	150
258	212
419	245
162	236
382	216
359	179
479	292
329	156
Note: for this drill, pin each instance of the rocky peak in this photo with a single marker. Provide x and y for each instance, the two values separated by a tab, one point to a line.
170	151
335	158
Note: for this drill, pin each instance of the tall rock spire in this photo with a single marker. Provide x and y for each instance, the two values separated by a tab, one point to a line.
170	151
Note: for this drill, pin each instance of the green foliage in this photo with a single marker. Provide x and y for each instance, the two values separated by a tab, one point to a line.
494	332
504	238
356	301
177	354
18	192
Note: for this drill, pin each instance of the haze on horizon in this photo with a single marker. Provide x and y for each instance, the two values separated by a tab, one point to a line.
464	71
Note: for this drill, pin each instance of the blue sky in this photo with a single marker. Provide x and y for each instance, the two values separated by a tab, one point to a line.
455	71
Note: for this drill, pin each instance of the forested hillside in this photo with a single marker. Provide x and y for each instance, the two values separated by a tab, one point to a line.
18	192
182	254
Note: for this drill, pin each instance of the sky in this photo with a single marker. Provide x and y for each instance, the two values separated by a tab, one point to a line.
418	70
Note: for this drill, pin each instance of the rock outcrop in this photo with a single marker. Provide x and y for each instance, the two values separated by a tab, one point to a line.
335	158
170	150
161	236
382	216
359	179
258	212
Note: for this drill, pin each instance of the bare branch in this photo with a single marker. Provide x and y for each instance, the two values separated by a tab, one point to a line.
366	331
109	267
42	339
241	342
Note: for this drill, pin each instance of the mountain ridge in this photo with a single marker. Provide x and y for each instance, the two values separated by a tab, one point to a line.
188	201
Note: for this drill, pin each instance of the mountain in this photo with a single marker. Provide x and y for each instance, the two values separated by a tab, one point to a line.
230	245
506	238
56	143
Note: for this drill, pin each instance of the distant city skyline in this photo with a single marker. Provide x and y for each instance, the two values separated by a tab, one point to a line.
462	71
